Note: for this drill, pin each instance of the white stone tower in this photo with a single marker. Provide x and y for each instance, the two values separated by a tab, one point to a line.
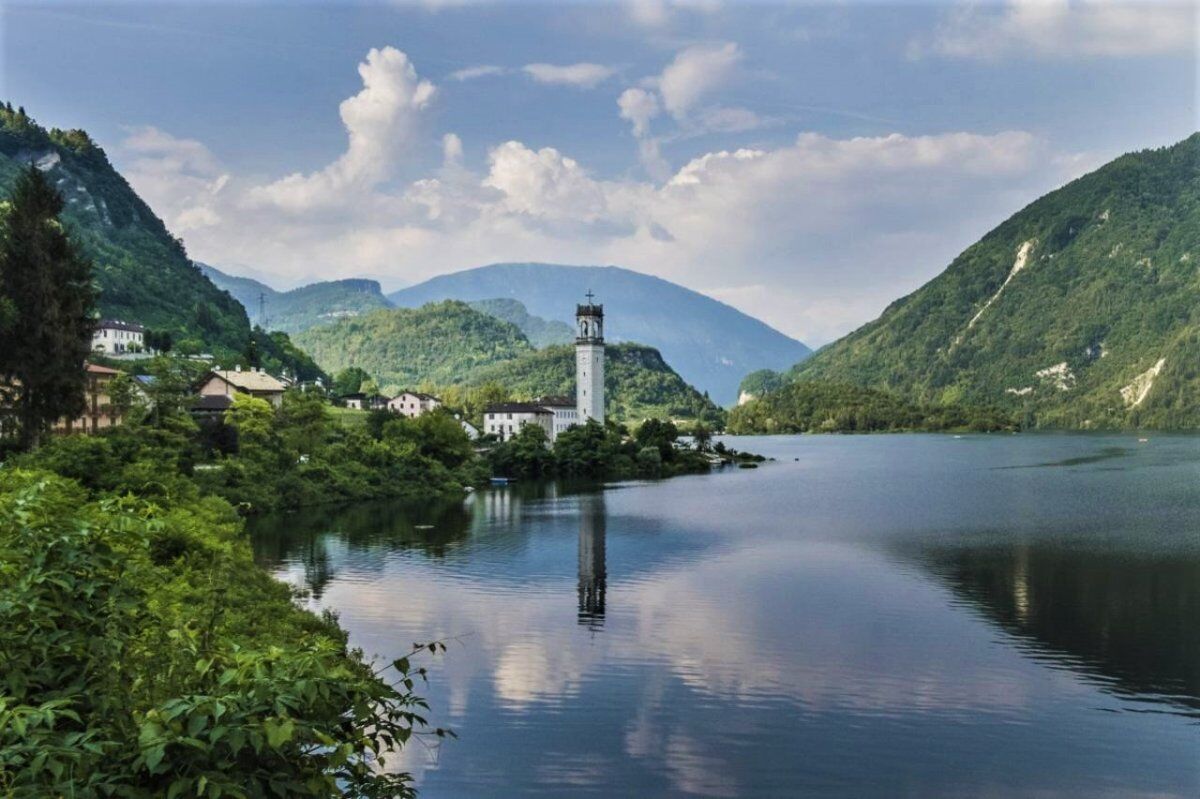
589	361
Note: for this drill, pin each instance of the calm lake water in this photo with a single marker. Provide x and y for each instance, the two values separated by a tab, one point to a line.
867	616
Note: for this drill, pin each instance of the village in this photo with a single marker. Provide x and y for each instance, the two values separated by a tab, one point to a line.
122	340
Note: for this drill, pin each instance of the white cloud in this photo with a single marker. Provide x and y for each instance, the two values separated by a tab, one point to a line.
1063	29
814	236
471	73
695	72
730	120
582	75
660	13
639	107
381	122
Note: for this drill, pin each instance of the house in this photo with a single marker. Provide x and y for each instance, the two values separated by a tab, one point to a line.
98	413
413	403
506	419
254	381
362	402
114	337
565	410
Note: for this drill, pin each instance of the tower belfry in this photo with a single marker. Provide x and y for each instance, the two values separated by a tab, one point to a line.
589	360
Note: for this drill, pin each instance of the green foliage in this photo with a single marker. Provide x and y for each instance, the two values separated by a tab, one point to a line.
349	381
813	406
142	272
597	452
1110	285
440	343
278	355
144	654
49	283
758	383
540	332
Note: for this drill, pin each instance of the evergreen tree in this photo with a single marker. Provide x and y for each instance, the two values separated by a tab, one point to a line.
49	284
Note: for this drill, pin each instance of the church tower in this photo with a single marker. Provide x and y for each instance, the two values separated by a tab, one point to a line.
589	361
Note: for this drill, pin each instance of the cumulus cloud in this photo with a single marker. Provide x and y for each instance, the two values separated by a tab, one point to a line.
381	122
814	236
695	72
1063	29
583	75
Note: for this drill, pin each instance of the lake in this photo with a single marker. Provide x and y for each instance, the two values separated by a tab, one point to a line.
904	615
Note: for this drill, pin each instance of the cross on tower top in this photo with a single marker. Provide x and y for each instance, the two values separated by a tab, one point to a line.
590	296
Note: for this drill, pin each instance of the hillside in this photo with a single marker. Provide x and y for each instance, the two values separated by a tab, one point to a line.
638	382
710	344
540	332
439	343
1081	310
304	307
143	273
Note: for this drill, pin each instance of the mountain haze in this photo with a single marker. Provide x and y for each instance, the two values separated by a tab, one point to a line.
1081	310
710	344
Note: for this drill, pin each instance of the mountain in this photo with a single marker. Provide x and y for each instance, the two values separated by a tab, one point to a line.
304	307
710	344
638	383
439	343
540	332
449	343
1081	310
143	273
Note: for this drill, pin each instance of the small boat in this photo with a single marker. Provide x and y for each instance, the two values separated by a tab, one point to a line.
501	481
1143	440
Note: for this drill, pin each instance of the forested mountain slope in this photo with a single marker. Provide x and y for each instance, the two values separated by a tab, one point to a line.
304	307
1081	310
711	344
143	272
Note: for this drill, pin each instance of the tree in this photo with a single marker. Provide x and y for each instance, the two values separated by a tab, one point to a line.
49	283
349	381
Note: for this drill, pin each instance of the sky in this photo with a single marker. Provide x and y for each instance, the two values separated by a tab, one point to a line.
806	163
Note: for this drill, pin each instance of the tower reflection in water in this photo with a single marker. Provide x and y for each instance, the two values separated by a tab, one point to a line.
592	572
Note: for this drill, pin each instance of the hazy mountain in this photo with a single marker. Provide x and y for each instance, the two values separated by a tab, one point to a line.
1083	309
142	270
540	332
301	308
710	344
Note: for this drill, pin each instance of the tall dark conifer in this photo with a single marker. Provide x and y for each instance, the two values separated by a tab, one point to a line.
49	283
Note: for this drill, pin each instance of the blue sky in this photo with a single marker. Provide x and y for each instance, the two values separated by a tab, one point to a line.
806	163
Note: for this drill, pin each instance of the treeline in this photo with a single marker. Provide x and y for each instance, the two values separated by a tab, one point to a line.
812	406
600	452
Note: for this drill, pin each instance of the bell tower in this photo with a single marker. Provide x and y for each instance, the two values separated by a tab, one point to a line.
589	360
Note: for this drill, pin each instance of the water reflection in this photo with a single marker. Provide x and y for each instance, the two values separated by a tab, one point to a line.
592	571
1129	621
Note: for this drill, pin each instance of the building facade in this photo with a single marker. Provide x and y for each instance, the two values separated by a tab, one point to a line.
506	419
589	361
413	403
565	410
114	337
98	412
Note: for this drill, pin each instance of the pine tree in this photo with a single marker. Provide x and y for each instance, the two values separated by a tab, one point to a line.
49	283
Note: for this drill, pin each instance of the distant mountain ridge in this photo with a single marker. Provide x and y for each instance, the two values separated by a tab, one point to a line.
304	307
1080	310
712	345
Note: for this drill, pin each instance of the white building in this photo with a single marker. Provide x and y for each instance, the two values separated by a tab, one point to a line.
506	419
413	403
565	410
589	361
114	337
